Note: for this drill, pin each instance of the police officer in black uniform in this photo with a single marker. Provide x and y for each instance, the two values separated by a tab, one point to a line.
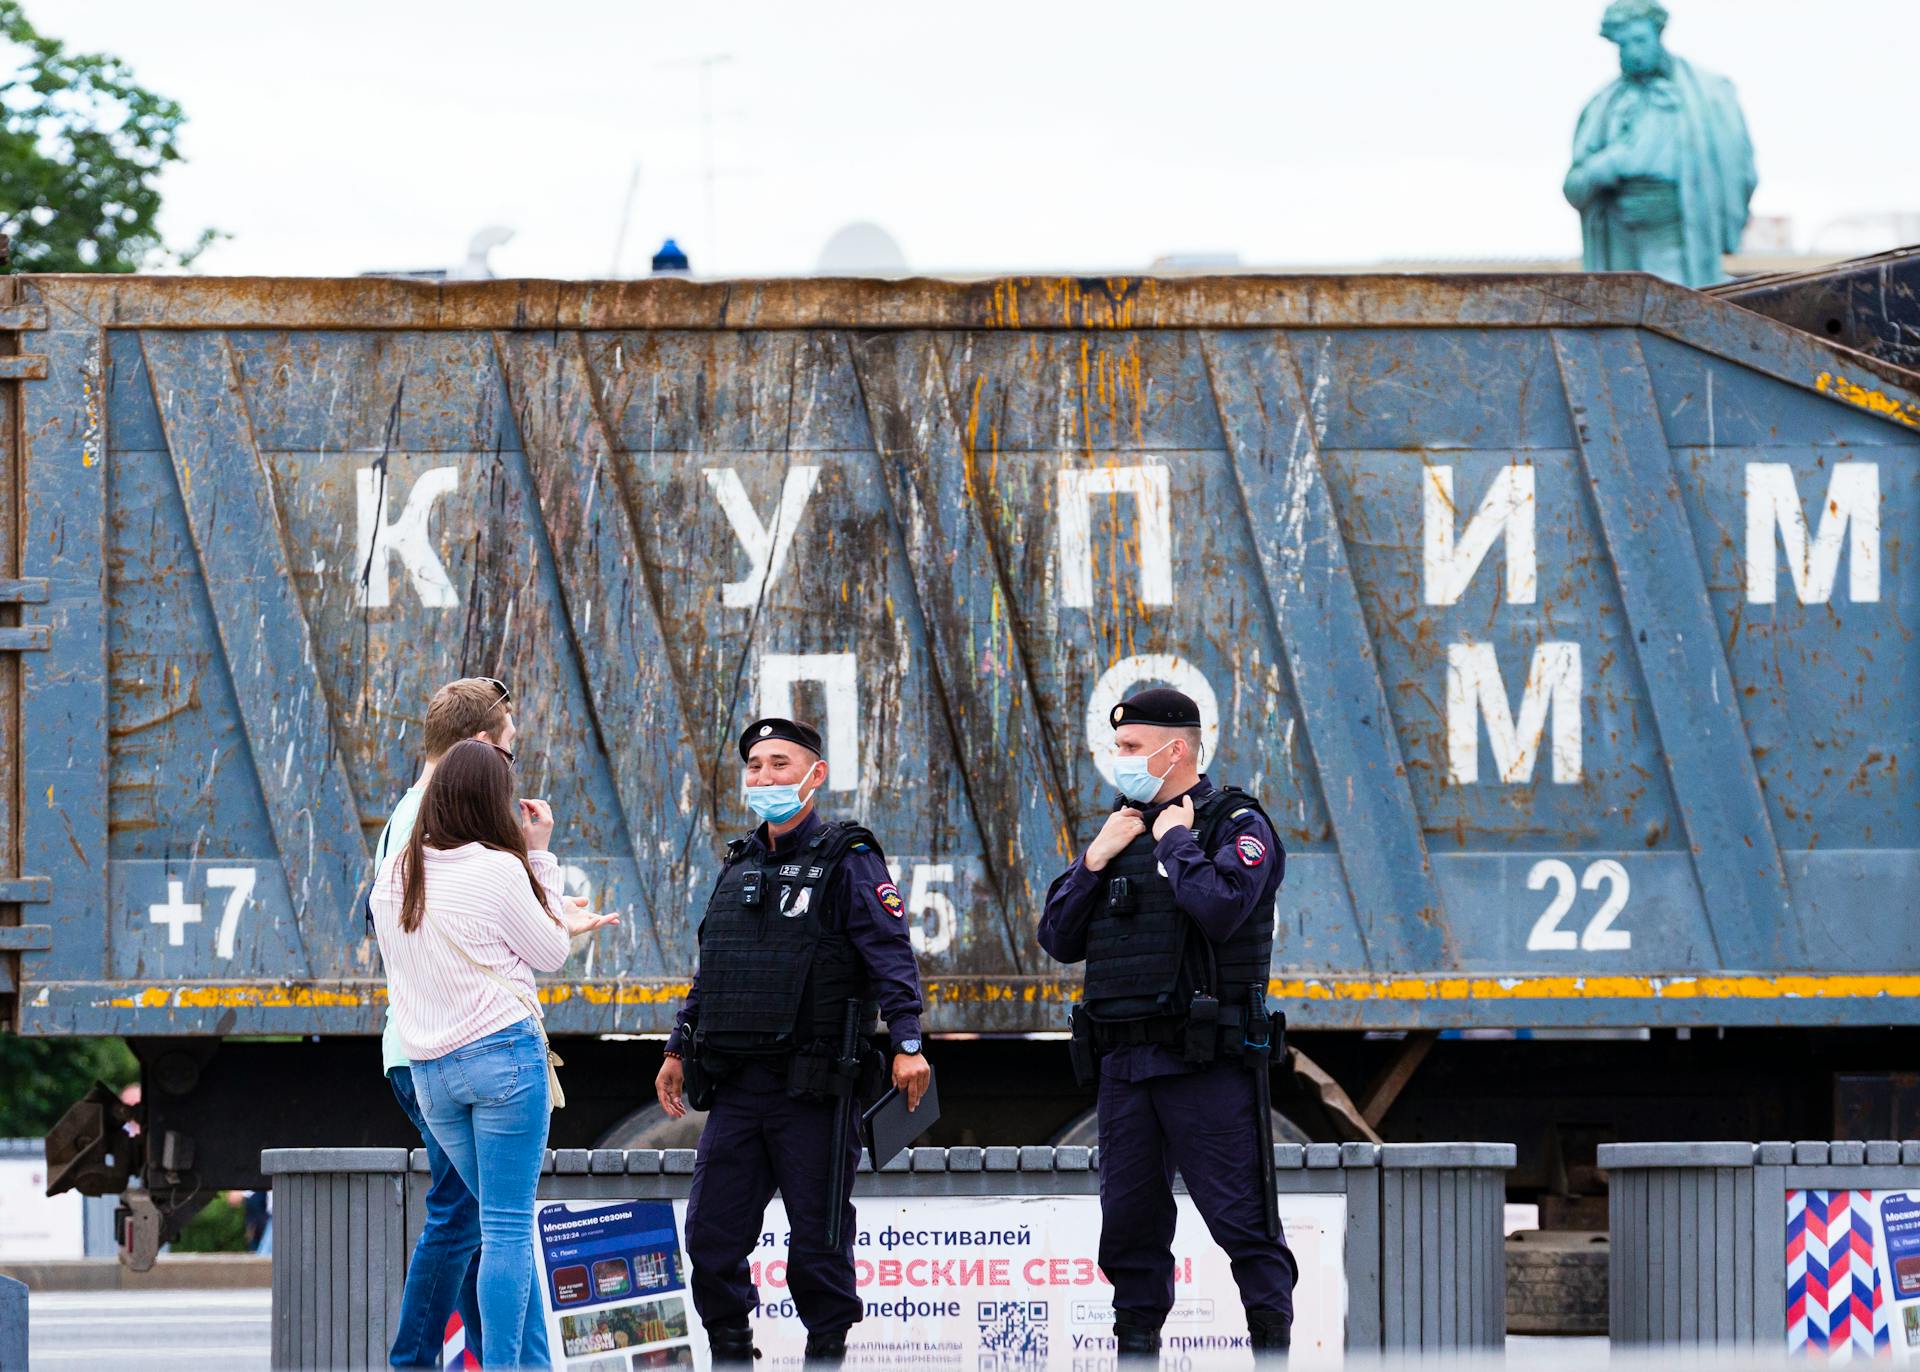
1171	907
804	938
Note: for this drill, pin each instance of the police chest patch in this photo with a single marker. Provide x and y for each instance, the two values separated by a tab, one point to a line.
790	871
890	897
1252	851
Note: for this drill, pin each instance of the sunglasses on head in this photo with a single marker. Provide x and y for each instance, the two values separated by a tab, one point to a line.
506	698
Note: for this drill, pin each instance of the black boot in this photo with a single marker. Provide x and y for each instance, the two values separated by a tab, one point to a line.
732	1344
1270	1332
827	1348
1135	1337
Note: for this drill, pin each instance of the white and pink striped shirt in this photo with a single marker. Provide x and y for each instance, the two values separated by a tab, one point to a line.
480	898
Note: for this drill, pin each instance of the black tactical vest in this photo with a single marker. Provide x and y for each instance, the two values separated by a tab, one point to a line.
1146	958
775	972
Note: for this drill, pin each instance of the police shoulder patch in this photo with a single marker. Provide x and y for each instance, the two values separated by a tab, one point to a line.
1252	851
890	897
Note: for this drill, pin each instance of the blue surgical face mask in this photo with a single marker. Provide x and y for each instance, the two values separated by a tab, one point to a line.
1136	783
778	804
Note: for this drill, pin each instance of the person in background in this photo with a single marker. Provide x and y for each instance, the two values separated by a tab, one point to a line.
256	1219
446	1258
465	913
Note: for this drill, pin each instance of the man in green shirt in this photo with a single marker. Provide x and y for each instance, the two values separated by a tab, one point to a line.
446	1258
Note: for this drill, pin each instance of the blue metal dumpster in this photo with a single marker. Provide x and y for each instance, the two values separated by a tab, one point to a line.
1559	622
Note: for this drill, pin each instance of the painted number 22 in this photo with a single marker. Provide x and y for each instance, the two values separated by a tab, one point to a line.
1599	936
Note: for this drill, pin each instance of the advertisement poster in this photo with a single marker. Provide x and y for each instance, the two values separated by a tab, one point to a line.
949	1283
1853	1275
614	1278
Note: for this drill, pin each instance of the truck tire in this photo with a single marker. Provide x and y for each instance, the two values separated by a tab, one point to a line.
651	1127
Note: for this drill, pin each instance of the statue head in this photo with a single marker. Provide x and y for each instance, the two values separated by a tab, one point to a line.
1635	25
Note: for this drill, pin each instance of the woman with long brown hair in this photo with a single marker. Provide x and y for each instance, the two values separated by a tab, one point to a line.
466	913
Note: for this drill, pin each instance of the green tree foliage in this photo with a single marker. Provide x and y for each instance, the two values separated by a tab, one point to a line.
40	1078
82	145
220	1227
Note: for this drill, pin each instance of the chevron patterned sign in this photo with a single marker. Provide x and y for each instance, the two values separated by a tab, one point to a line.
1835	1308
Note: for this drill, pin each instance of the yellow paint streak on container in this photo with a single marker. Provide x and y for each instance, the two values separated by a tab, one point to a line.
1787	986
980	990
337	996
1868	399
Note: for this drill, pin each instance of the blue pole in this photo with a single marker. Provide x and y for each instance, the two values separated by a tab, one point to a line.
13	1325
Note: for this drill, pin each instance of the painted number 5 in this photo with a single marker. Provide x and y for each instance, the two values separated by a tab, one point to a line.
932	919
1600	936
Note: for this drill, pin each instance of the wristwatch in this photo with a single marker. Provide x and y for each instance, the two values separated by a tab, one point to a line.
908	1047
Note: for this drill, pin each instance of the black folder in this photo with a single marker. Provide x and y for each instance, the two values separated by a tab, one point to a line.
889	1127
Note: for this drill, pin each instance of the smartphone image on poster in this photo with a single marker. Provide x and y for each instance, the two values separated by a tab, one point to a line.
1900	1222
615	1285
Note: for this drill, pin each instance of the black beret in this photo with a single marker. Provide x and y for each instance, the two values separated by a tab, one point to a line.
1160	705
760	730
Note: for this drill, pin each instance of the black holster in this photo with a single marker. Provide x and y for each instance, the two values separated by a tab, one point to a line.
699	1082
1203	1030
1081	1051
874	1076
815	1076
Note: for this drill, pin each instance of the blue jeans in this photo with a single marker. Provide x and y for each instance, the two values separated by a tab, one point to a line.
446	1257
487	1106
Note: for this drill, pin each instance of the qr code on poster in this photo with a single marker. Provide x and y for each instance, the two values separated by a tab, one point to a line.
1012	1332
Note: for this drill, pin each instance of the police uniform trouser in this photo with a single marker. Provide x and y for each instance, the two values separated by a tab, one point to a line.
757	1139
1202	1123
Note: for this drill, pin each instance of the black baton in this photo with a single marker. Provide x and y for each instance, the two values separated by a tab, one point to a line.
1260	1059
846	1071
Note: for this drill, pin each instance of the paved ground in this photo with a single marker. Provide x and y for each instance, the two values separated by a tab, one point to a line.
205	1331
225	1331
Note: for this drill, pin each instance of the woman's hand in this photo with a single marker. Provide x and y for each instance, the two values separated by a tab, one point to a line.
577	919
536	822
671	1087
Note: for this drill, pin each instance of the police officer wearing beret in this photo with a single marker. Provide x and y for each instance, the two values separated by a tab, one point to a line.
1171	908
804	937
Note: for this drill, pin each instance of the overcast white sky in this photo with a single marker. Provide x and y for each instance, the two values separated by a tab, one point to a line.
349	135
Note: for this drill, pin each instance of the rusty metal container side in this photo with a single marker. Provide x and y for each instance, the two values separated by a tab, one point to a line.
23	926
1559	622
